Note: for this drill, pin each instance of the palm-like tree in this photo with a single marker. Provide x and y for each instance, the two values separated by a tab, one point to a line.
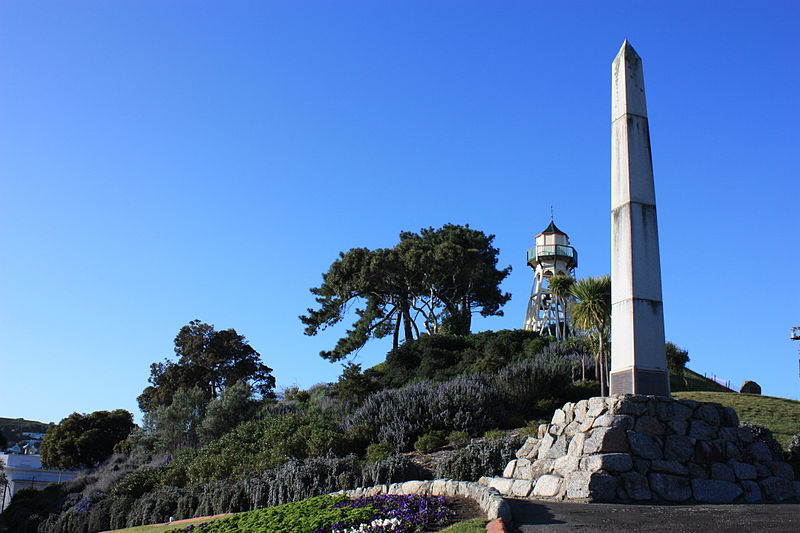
592	312
560	286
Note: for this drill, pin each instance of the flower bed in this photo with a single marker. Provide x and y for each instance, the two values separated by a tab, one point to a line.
338	514
398	513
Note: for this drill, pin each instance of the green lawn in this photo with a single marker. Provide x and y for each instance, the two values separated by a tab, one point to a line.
474	525
164	529
780	415
692	381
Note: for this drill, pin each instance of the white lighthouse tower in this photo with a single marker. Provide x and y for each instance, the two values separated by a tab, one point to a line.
551	256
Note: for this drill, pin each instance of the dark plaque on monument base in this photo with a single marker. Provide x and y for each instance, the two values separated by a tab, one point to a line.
640	381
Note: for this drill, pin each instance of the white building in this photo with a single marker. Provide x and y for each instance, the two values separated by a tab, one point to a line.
25	472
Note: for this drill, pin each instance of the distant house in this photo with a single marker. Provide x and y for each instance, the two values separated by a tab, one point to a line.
25	472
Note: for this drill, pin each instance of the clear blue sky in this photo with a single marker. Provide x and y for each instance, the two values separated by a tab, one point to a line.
172	160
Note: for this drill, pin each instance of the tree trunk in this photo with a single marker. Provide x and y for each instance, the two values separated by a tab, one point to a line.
407	331
602	366
466	316
396	334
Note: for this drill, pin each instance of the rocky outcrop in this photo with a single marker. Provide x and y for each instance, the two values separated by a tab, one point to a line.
750	387
634	448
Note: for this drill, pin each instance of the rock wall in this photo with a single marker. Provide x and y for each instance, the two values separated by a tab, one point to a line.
635	448
488	499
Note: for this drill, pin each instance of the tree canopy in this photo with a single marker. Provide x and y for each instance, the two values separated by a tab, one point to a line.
431	281
209	359
82	440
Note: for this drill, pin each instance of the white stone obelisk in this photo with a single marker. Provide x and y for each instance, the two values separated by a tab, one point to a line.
638	360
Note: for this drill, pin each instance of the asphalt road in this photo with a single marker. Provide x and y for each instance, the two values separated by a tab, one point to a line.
540	516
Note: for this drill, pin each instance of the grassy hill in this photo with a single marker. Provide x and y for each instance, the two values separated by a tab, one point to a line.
13	428
692	381
780	415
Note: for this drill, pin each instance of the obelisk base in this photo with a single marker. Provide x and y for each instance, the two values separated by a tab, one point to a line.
640	381
637	449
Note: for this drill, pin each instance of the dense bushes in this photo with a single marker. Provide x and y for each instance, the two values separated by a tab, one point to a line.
442	357
473	404
523	385
487	458
257	445
292	481
763	434
793	448
311	442
399	416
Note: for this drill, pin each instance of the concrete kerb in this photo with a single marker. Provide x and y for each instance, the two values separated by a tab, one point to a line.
488	499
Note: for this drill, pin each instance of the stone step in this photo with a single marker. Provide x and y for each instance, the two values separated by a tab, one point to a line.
546	486
519	488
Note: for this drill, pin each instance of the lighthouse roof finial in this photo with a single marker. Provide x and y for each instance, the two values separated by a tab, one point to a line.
552	228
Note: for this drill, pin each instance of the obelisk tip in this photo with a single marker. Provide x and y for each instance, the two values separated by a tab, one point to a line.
626	50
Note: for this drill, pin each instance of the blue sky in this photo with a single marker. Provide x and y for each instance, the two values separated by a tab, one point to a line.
172	160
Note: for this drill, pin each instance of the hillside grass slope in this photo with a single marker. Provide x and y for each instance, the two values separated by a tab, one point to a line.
13	428
780	415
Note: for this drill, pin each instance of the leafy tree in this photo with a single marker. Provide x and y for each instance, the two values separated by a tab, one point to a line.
592	312
455	272
354	386
560	286
210	359
82	440
235	405
676	360
435	279
178	424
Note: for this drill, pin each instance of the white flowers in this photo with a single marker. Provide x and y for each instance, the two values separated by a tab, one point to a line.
387	524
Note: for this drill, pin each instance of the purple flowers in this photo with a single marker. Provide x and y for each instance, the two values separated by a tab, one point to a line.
397	513
83	505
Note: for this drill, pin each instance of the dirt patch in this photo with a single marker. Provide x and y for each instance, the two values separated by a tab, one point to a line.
464	509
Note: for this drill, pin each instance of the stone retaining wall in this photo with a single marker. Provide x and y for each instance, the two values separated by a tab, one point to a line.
635	448
488	499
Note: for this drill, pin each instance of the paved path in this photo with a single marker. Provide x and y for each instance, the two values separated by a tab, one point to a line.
557	517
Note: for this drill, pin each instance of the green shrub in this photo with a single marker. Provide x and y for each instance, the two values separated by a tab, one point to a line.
458	439
28	507
379	451
392	470
532	428
354	385
258	445
522	385
399	416
479	459
495	434
793	449
582	390
764	434
428	442
444	356
138	482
